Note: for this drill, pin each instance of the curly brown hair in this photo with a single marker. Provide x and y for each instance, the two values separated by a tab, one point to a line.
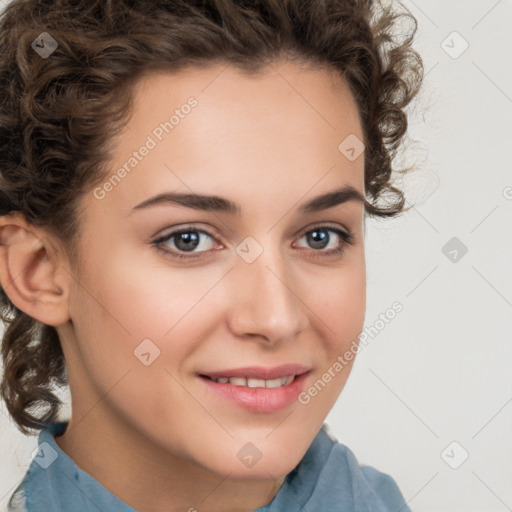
58	114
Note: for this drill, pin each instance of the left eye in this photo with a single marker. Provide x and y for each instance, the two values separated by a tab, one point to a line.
319	238
186	240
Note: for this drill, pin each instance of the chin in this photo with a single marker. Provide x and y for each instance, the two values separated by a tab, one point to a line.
250	463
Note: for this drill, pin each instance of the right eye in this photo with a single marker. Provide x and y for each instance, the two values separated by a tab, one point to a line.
184	240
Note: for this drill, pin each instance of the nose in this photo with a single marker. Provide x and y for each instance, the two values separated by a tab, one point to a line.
265	299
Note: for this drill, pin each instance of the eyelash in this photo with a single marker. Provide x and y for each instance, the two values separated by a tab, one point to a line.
346	236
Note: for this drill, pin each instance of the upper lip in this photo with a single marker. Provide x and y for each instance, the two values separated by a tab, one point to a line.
260	372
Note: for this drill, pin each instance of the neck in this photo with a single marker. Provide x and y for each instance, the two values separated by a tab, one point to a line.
147	477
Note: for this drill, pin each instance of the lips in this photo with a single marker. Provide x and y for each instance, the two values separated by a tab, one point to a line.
250	394
254	383
259	372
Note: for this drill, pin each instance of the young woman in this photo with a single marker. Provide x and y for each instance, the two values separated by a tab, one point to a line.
184	186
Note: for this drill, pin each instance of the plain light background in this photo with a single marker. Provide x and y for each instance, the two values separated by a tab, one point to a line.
429	400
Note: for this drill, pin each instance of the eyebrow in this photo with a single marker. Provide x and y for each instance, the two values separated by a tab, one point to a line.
223	205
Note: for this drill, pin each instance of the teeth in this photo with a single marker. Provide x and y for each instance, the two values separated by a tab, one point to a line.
274	383
238	381
256	383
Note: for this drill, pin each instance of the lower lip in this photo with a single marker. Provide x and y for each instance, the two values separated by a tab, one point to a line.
259	399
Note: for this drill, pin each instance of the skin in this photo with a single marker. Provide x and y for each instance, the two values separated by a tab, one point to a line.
154	435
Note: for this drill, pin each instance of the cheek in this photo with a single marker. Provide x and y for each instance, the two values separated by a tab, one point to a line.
341	311
126	315
341	308
341	305
135	328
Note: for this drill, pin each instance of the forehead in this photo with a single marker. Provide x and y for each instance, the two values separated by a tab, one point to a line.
279	128
304	85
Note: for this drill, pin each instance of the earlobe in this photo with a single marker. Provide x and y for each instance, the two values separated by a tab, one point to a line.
30	271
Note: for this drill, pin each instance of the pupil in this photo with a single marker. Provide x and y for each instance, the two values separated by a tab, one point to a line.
319	237
190	241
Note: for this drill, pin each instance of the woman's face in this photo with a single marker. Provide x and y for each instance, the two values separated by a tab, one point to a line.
262	287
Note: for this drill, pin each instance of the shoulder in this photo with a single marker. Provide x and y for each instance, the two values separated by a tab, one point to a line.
55	483
369	488
35	483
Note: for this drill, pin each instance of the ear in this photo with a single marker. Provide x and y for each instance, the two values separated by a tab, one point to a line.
33	270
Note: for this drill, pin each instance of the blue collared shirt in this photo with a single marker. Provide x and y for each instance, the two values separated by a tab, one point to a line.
328	478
